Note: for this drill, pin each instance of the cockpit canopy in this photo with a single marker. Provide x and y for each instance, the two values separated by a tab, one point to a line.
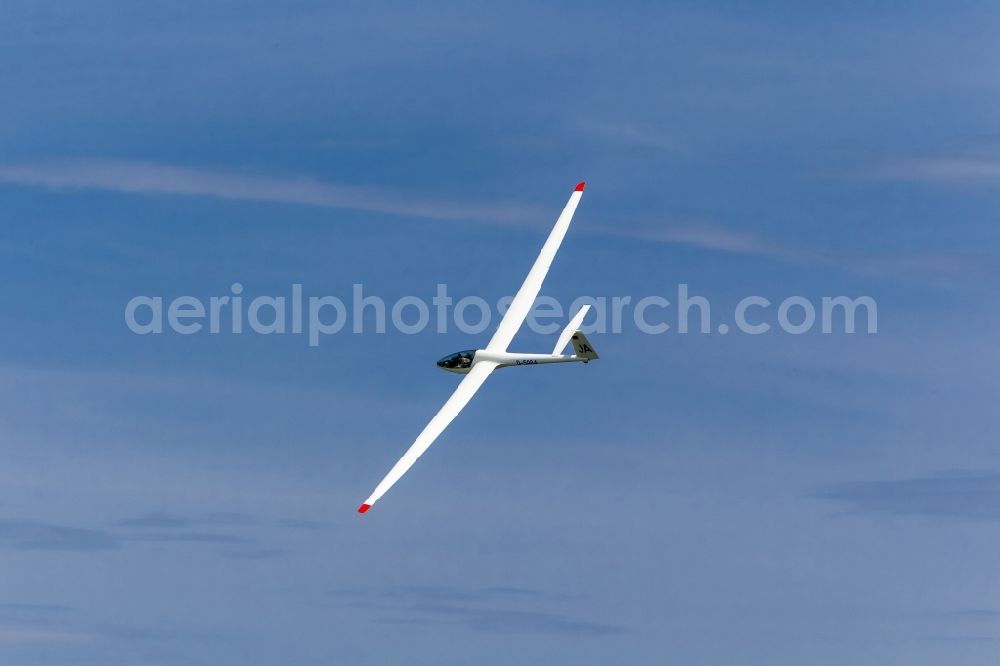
458	362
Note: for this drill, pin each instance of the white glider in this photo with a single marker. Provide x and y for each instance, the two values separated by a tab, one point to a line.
478	364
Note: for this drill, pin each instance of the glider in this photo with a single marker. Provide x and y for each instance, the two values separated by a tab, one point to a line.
478	364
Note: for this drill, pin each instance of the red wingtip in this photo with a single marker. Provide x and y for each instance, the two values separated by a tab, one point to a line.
364	507
579	188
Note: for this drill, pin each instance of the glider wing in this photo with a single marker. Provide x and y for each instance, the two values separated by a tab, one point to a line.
463	393
525	298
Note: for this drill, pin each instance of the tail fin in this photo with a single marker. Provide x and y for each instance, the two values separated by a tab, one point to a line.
572	327
582	347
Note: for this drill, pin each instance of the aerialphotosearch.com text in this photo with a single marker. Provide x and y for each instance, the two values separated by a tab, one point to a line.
316	317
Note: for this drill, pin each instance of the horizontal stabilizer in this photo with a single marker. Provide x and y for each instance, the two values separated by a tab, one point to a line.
571	327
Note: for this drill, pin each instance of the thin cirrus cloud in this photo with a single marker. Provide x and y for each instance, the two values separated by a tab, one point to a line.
963	495
731	241
137	177
40	623
149	178
498	610
154	527
941	170
163	519
35	535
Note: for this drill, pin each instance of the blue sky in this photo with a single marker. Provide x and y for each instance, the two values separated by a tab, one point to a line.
689	499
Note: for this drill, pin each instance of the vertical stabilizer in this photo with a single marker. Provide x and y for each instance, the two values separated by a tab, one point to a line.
582	347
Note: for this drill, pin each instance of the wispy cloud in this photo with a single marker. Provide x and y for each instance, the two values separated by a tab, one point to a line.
942	170
53	624
968	495
149	178
298	524
8	610
156	527
167	527
137	177
38	623
188	537
165	520
979	613
969	625
440	594
490	610
722	239
32	535
631	134
254	553
231	546
932	264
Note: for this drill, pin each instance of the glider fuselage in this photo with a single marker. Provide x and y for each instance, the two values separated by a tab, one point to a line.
461	362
